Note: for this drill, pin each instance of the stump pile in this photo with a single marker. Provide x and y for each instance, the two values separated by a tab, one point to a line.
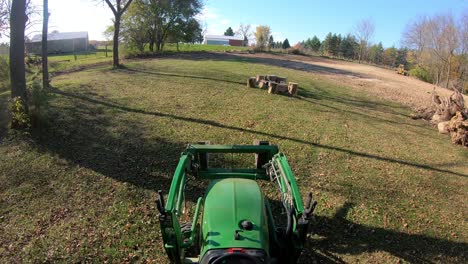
274	84
449	115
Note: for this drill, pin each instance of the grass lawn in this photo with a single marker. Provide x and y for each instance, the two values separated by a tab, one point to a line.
82	186
70	62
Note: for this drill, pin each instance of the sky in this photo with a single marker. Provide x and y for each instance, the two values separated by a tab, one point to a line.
293	19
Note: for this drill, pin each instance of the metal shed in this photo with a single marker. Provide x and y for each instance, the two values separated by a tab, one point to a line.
64	42
224	40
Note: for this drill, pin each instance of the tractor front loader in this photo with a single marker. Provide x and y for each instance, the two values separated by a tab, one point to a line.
233	222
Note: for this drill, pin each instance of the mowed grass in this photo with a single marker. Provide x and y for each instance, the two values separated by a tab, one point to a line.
71	62
82	186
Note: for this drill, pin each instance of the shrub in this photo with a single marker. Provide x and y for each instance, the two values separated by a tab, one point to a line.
421	73
19	116
4	73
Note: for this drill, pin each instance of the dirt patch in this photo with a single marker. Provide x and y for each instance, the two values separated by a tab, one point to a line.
380	82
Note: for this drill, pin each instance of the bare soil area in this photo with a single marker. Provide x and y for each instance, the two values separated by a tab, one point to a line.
384	83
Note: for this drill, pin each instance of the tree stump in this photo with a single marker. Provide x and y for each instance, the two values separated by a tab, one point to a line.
281	79
262	84
251	82
458	129
293	88
271	78
282	88
260	78
443	127
272	87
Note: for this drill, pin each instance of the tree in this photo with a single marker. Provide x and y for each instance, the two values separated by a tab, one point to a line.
326	44
364	30
271	42
229	32
18	21
376	53
45	27
348	47
390	57
3	16
135	30
186	31
160	19
244	31
437	44
286	44
118	9
262	35
315	44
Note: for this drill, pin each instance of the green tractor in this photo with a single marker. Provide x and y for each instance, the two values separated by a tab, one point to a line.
233	222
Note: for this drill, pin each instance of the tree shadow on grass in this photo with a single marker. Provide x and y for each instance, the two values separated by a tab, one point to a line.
251	131
279	62
89	135
338	235
148	71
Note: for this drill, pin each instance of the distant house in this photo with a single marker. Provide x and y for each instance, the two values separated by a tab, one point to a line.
64	42
224	40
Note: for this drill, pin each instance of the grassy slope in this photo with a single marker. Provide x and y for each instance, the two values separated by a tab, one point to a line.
83	187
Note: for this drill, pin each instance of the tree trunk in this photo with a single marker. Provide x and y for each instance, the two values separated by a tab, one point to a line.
115	54
449	69
45	26
17	68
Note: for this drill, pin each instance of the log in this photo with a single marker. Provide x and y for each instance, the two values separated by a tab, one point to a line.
259	78
251	82
281	79
293	88
282	88
272	87
271	78
443	127
262	84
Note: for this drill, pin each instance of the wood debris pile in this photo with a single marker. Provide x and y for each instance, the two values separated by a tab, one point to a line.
274	84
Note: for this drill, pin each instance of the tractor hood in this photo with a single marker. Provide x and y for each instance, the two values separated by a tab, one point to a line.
231	205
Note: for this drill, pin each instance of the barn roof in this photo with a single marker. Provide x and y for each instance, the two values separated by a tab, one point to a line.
61	36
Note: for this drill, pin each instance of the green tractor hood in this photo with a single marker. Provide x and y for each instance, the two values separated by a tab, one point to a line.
234	216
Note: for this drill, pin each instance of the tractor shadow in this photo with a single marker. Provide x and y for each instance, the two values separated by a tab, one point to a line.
330	237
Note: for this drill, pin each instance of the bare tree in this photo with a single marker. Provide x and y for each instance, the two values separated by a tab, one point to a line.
18	21
245	31
364	31
45	27
415	37
439	43
118	8
3	16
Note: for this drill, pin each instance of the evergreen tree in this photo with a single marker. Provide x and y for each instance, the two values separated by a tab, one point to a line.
347	47
315	44
286	44
229	32
326	44
271	42
376	53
